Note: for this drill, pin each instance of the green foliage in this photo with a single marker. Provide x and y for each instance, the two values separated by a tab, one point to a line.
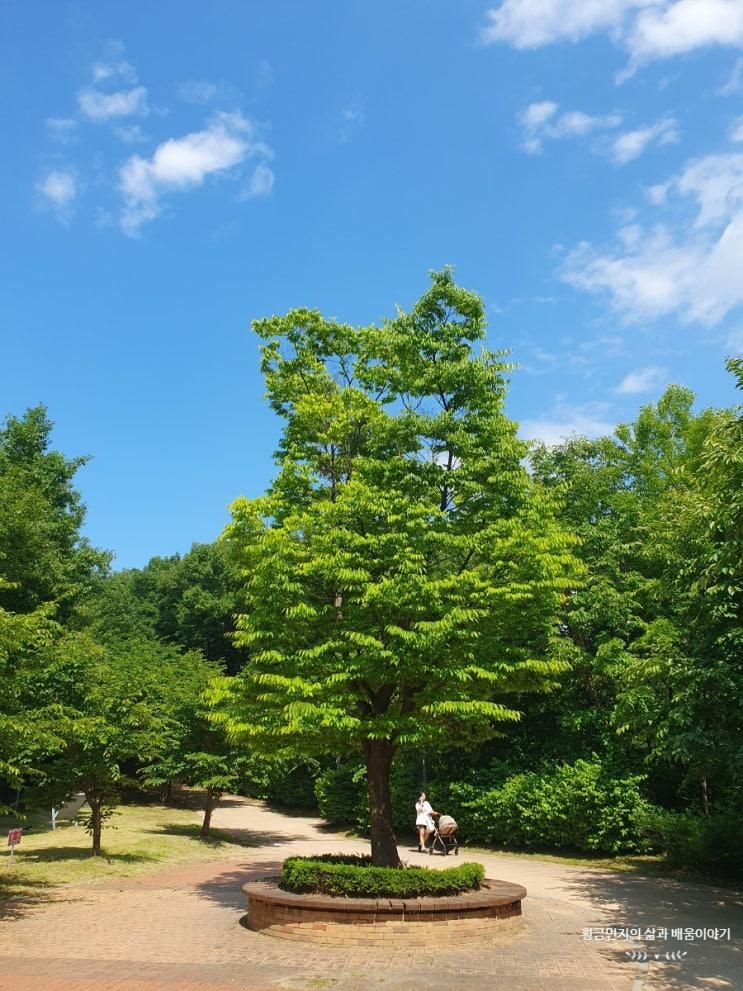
291	783
342	795
287	781
188	602
711	844
28	730
403	574
42	554
576	806
404	585
355	877
655	634
184	744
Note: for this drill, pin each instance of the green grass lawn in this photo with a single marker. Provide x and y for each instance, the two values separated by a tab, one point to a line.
136	839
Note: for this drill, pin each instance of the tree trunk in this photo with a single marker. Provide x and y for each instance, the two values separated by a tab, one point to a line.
168	792
705	796
207	823
378	754
96	823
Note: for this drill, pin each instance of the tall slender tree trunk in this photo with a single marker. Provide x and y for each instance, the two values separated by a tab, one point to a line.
96	823
705	796
207	823
378	754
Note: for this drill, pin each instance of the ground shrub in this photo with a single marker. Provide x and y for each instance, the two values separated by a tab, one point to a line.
710	844
582	807
285	782
355	877
342	797
578	806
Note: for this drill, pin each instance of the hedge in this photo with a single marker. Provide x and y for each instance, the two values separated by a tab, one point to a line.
343	801
355	877
710	844
580	806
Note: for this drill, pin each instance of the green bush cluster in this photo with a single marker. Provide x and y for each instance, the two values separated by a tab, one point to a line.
581	806
341	795
285	782
355	877
711	844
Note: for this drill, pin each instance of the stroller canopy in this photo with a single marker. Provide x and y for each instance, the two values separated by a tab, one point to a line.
447	825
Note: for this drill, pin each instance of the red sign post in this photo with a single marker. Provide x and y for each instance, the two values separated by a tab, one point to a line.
14	836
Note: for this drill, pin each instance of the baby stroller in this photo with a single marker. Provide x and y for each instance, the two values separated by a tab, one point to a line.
443	836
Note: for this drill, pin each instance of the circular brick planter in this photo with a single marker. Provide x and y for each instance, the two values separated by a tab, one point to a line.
389	921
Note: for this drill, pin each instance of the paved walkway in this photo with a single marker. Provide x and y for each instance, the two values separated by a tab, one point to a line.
182	930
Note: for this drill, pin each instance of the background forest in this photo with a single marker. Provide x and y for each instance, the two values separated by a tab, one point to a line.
636	747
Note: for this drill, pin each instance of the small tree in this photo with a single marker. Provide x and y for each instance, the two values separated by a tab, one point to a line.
27	733
403	574
185	745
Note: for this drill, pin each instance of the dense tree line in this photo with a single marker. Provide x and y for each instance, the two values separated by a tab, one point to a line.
103	673
559	629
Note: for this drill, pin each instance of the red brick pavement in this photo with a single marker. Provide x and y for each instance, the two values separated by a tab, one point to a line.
180	930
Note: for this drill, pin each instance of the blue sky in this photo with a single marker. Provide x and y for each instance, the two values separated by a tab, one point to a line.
173	170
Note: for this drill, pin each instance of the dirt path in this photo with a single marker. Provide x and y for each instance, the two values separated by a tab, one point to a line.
181	929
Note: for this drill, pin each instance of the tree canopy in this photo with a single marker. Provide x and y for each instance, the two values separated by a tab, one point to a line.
404	573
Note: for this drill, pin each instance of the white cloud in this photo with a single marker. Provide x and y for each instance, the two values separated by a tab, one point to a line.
691	268
261	183
736	130
352	117
199	91
642	380
98	106
182	163
735	82
576	123
114	65
716	182
130	134
565	420
646	29
62	129
662	30
734	341
98	103
539	121
537	114
58	190
632	144
657	194
533	23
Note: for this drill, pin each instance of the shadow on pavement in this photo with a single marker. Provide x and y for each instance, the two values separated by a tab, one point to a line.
634	902
227	837
225	888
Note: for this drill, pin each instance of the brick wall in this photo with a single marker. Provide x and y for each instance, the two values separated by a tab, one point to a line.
347	926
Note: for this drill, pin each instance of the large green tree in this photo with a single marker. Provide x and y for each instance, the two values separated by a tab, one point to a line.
655	630
43	556
682	692
188	601
404	572
46	570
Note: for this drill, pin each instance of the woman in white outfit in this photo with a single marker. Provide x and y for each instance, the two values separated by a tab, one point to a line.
423	820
